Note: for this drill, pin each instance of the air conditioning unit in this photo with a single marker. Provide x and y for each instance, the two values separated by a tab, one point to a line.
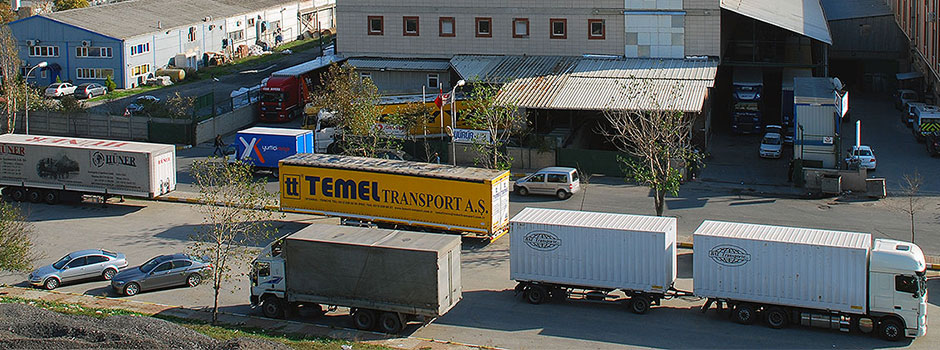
31	42
86	43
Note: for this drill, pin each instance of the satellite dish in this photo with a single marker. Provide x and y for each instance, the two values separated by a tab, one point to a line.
838	84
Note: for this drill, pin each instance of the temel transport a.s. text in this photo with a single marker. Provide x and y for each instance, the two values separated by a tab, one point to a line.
52	168
263	148
398	194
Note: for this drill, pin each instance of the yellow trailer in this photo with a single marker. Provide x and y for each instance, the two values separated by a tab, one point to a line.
431	197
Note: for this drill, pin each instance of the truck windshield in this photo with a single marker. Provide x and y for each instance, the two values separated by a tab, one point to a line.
921	283
272	97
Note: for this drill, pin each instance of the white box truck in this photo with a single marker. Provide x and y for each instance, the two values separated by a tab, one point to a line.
385	277
49	168
813	277
591	256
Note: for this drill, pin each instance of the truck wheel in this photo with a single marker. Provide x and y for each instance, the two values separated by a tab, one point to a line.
271	307
891	329
535	294
390	322
562	194
776	318
522	191
51	197
364	319
640	304
18	194
745	314
34	196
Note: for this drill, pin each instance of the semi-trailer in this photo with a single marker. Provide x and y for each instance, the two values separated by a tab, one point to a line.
50	168
263	147
384	277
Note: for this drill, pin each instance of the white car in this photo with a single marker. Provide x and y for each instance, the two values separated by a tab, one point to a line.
771	146
59	90
863	155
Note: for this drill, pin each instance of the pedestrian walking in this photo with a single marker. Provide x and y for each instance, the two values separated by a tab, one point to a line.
218	146
437	158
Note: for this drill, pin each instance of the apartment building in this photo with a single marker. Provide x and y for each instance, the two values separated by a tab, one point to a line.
918	20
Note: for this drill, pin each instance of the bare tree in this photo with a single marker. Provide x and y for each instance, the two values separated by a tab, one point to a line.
16	247
502	120
911	204
355	101
234	217
654	143
9	71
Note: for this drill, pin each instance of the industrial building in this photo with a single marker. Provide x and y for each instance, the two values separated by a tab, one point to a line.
130	40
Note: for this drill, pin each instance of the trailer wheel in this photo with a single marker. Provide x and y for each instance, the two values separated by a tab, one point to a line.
776	318
364	319
34	196
745	314
390	322
18	194
891	329
639	304
51	197
536	294
271	307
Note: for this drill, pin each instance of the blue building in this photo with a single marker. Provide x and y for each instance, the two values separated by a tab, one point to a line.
130	40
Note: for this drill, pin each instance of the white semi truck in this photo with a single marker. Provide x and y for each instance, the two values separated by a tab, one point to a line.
384	277
821	278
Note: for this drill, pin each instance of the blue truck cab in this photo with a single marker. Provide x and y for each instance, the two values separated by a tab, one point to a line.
263	147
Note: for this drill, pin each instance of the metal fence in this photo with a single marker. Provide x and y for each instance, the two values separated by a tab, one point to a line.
237	101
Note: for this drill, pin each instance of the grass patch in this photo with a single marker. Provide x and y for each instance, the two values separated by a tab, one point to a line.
118	94
239	64
223	332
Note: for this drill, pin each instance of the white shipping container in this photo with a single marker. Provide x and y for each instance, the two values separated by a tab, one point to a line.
87	165
593	250
789	266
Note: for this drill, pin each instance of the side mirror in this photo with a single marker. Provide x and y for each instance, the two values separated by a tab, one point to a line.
66	267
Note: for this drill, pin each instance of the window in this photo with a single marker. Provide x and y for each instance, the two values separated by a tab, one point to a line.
558	178
365	75
559	27
81	262
520	28
484	26
537	178
251	21
409	26
264	269
447	27
235	36
433	80
140	48
596	29
96	259
376	25
907	284
102	52
43	51
181	264
164	267
93	73
192	34
141	69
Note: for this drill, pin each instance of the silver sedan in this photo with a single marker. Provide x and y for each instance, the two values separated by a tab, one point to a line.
80	265
161	272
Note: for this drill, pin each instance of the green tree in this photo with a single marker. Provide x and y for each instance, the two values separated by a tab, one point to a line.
355	102
655	143
502	120
16	247
110	84
6	13
9	71
62	5
414	117
234	218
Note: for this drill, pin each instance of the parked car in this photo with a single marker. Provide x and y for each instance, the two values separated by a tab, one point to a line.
89	90
903	96
60	90
559	181
863	155
160	272
771	146
80	265
137	107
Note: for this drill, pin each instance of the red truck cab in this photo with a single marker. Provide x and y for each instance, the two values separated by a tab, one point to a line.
285	93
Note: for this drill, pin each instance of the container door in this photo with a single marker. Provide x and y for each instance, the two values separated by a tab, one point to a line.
907	299
456	289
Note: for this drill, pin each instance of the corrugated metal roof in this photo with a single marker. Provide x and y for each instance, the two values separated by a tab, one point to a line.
391	166
785	234
596	220
137	17
849	9
803	17
399	64
585	83
308	66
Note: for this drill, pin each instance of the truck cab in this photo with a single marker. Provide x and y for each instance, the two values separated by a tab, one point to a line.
280	99
267	279
926	121
746	105
898	288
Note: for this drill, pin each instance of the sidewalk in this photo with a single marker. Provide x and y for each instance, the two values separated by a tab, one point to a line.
240	320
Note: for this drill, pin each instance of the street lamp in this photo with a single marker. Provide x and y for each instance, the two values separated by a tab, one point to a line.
42	64
453	119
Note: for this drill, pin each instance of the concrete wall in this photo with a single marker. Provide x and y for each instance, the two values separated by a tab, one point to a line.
86	125
702	27
529	158
353	39
852	180
226	123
